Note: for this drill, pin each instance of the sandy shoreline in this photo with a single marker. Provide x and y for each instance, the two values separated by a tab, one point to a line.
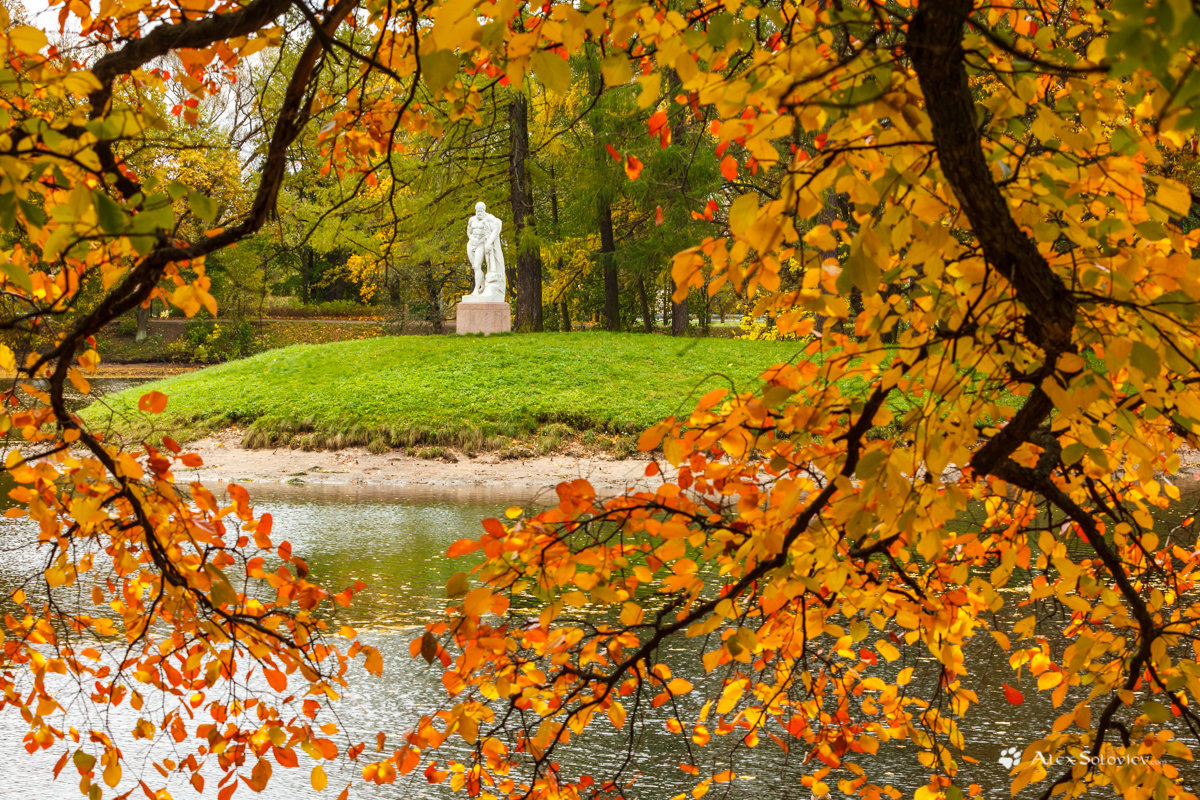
355	471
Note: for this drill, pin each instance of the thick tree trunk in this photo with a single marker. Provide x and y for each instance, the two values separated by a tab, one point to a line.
647	320
565	314
529	262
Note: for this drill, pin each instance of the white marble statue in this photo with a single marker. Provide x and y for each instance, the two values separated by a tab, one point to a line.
483	249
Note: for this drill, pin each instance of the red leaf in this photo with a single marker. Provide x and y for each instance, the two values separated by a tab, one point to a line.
658	215
153	402
1012	695
820	140
729	168
612	152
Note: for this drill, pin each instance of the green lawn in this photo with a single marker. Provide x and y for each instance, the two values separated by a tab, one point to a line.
449	390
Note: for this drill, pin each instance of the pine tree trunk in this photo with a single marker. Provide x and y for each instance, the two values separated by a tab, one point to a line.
433	295
647	320
677	116
608	262
529	263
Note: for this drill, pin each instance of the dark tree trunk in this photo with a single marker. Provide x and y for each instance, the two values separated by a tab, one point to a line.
564	310
529	262
647	320
679	318
608	262
306	266
677	115
433	296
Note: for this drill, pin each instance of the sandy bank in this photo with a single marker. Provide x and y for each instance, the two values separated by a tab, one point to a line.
354	469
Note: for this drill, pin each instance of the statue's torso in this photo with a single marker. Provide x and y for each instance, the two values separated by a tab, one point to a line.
478	230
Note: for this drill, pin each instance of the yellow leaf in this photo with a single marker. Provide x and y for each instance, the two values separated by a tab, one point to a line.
553	71
1174	197
616	70
650	86
112	773
27	39
616	715
743	214
887	650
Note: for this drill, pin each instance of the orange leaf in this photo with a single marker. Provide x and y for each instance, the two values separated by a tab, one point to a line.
633	167
462	547
1012	695
284	757
477	602
658	216
317	778
153	402
276	679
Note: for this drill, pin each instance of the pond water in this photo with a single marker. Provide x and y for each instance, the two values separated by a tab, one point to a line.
395	543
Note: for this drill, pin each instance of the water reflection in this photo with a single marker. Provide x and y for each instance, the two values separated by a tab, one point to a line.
395	542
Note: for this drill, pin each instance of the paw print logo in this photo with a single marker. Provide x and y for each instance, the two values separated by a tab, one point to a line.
1010	757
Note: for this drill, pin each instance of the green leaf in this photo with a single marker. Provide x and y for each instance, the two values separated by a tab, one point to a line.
457	585
1156	711
33	213
16	275
438	68
112	219
221	593
84	761
156	215
862	271
202	206
1145	360
8	211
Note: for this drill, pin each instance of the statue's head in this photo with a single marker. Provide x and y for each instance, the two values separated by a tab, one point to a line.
480	208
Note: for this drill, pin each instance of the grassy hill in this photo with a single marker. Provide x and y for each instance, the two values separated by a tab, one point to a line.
465	391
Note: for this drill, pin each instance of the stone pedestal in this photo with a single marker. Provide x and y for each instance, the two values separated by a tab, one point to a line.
483	317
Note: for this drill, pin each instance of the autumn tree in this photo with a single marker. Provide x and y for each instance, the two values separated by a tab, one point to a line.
974	461
970	464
